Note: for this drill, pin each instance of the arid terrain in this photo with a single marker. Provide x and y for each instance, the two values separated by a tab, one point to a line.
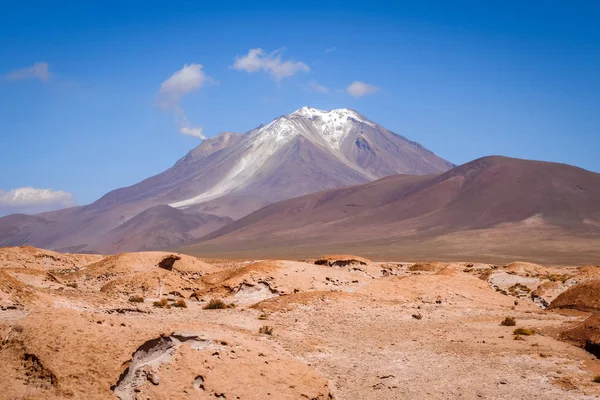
163	325
493	209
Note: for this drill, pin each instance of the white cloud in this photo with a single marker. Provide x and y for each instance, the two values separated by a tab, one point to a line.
192	131
39	71
29	200
358	89
327	51
188	79
257	60
313	86
186	129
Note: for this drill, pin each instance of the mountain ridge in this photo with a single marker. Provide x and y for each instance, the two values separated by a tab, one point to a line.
547	205
232	174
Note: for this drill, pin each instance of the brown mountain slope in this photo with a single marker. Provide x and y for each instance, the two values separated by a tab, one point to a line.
160	227
490	208
231	175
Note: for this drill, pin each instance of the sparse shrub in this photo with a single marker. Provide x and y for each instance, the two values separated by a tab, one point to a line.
136	299
558	277
597	379
524	332
263	317
72	284
518	287
180	303
231	305
508	321
266	330
484	276
162	303
519	337
215	304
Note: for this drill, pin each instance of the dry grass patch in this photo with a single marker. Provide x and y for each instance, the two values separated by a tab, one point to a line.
524	332
215	304
162	303
180	303
265	330
518	287
426	267
136	299
558	277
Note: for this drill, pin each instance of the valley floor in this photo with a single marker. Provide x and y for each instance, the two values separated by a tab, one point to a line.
75	326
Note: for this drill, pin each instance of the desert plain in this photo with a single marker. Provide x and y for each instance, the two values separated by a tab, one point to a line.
160	325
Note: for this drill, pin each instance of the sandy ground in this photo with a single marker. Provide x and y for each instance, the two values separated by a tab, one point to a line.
70	328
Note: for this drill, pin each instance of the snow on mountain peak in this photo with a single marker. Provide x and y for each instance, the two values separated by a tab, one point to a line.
325	129
339	114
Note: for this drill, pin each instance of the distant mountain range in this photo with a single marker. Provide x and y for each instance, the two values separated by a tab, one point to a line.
226	178
494	209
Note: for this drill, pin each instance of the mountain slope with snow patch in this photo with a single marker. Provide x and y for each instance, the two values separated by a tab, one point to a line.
232	175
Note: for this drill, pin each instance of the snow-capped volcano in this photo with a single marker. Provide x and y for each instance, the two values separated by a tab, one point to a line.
232	174
344	137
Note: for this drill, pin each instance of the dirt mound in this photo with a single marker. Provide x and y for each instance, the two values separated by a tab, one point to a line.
291	301
341	260
584	297
458	288
427	267
64	353
526	268
586	334
13	293
146	274
146	261
258	281
233	277
234	370
546	292
588	272
247	284
32	257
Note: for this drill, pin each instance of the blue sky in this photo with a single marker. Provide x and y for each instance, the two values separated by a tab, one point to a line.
464	78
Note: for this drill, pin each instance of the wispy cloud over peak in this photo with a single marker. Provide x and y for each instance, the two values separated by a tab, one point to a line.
258	60
358	89
186	129
188	79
